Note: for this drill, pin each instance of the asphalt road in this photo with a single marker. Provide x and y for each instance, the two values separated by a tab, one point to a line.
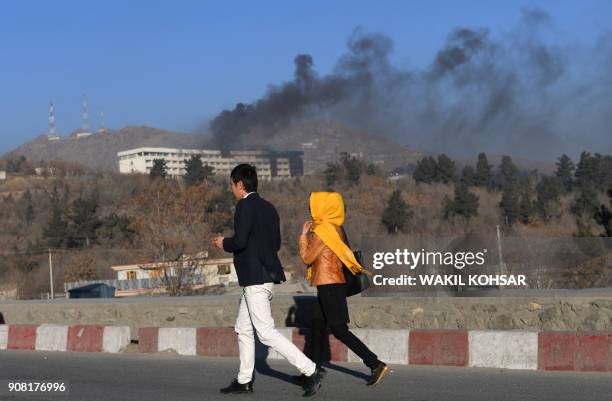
168	377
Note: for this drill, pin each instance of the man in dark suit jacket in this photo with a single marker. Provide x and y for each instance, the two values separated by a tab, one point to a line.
255	245
256	242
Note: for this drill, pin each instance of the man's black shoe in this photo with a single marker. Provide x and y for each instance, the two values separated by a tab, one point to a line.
301	379
377	374
237	388
313	383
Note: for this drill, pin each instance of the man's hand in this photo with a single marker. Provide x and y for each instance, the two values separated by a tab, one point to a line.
218	241
306	227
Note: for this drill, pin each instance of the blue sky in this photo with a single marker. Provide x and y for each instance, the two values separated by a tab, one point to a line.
175	64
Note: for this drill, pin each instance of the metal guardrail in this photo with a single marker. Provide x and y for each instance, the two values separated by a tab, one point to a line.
122	285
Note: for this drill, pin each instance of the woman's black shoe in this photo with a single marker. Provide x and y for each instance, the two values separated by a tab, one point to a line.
313	383
377	374
237	388
301	379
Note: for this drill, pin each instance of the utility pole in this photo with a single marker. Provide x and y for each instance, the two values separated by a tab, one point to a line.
51	275
502	267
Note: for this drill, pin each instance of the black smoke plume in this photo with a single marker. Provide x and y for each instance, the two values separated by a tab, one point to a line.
514	93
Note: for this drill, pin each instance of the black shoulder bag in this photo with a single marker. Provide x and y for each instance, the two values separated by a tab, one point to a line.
355	283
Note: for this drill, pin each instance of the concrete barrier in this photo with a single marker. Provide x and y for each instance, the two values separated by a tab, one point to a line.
575	351
439	347
3	336
510	349
115	338
51	337
179	339
391	346
503	349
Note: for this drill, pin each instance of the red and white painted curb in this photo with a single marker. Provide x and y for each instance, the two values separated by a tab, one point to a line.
52	337
572	351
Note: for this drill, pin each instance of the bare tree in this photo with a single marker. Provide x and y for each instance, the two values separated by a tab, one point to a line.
172	224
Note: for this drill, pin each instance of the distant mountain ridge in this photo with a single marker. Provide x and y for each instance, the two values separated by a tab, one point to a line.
321	141
99	151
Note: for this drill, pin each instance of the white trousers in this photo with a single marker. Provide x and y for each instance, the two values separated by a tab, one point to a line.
255	315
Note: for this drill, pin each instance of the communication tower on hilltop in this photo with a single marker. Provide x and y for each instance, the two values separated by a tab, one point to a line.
52	134
84	131
85	114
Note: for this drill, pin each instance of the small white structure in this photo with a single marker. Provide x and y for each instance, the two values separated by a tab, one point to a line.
2	175
47	171
207	272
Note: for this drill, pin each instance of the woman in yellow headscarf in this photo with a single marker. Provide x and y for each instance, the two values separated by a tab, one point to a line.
323	249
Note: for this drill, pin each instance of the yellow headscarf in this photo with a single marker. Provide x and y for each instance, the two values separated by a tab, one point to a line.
327	211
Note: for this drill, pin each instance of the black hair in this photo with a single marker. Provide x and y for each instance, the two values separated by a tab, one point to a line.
247	174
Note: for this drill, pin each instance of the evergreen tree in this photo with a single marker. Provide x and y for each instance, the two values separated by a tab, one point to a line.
332	174
468	176
484	173
525	208
195	171
595	171
56	233
159	169
605	173
372	169
84	222
463	204
508	172
585	170
16	164
585	203
510	206
396	215
603	217
425	170
115	227
548	193
352	168
27	203
445	169
565	172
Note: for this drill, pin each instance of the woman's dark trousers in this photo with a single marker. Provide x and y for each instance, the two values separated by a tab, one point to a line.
333	313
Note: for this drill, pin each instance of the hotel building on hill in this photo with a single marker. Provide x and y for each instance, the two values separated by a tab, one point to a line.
269	164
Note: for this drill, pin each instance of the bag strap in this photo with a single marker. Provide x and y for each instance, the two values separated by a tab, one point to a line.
345	237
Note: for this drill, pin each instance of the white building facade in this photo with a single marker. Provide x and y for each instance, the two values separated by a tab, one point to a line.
148	278
269	164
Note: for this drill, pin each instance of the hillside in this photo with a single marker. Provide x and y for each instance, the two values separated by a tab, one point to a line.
99	151
321	142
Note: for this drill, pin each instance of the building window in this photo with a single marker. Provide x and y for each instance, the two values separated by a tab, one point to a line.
157	273
223	269
131	275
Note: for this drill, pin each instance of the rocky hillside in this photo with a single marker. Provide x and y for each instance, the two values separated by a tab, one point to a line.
99	151
321	141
